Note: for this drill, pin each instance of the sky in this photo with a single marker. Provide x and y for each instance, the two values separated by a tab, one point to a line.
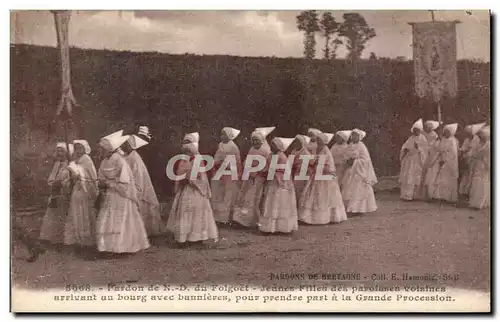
240	33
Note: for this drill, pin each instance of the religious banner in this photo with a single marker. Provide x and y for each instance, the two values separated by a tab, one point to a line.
435	59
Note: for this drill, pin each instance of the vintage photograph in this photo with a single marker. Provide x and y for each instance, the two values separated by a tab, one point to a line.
250	161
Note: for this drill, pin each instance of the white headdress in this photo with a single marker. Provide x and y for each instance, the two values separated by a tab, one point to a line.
114	142
231	133
282	143
115	134
304	139
326	137
452	128
313	131
418	125
85	144
144	130
474	128
433	124
361	133
192	137
63	145
346	134
191	147
486	130
136	142
265	130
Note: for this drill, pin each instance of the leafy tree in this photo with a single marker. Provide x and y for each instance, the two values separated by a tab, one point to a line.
357	33
307	21
336	43
329	27
373	56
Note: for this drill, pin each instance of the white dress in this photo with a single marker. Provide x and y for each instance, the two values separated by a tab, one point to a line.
357	186
339	153
321	201
442	180
279	212
225	189
467	151
191	218
412	167
479	197
120	228
149	207
247	208
81	220
54	221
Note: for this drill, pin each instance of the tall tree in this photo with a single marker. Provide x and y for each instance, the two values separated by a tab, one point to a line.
329	27
357	33
335	43
67	101
308	22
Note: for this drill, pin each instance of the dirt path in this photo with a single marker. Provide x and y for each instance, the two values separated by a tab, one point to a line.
414	238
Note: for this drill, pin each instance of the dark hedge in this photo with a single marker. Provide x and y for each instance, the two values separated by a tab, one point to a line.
176	94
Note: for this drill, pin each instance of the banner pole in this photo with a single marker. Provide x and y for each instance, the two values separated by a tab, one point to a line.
440	116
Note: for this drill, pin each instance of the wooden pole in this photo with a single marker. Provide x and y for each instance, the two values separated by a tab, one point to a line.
440	113
432	14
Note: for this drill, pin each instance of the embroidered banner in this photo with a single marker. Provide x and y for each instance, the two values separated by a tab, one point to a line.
435	58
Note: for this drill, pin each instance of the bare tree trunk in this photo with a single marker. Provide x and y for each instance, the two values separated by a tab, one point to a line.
67	101
327	47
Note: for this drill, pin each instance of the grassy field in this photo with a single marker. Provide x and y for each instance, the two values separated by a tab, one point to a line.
414	238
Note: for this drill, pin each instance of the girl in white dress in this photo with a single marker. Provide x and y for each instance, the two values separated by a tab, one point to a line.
225	189
120	228
312	145
279	213
247	209
466	151
359	178
149	206
301	142
53	223
80	223
321	201
191	219
413	156
480	185
442	177
339	152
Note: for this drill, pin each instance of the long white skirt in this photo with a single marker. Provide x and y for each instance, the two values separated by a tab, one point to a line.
120	228
410	191
321	203
358	195
444	186
247	208
279	213
191	217
80	222
479	194
224	194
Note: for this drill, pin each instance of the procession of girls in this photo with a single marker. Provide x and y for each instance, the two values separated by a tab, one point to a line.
435	168
115	209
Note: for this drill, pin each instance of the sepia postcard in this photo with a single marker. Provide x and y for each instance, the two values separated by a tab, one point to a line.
250	161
